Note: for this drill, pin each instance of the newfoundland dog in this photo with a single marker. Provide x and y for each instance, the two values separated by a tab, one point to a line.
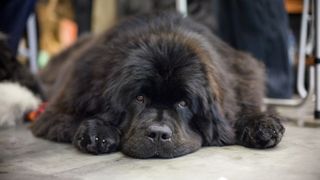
156	86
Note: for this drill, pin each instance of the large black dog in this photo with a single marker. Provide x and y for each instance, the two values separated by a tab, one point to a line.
156	86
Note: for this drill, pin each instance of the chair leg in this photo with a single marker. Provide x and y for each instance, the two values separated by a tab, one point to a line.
182	7
32	42
302	49
317	60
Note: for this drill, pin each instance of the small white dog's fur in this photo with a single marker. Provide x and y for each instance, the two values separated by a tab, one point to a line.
15	101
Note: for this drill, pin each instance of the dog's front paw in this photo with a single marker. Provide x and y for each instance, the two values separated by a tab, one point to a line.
264	131
96	138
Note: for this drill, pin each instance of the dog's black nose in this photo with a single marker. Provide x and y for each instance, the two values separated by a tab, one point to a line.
159	132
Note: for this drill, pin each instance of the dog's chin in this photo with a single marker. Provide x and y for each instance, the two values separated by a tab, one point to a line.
144	149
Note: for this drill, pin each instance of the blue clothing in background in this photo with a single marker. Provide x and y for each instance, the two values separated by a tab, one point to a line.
260	27
13	18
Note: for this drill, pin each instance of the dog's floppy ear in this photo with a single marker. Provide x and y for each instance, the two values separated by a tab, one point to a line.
211	124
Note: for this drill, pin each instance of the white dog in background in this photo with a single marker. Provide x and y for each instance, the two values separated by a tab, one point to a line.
15	101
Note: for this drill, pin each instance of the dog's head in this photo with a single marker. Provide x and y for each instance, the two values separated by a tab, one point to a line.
166	88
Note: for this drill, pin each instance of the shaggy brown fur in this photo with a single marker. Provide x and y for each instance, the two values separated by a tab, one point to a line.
156	86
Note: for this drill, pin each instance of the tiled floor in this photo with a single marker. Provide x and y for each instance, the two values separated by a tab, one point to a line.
27	158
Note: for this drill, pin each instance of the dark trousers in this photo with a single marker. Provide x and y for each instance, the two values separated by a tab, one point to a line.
260	27
13	18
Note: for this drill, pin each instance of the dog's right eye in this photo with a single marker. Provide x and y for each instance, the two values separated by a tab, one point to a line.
140	99
182	104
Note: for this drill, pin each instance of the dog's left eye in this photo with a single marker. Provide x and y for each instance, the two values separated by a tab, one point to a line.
140	99
182	104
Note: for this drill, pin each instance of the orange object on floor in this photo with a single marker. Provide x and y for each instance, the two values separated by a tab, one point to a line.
33	115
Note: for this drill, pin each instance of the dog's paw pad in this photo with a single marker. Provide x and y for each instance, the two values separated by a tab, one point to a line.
263	133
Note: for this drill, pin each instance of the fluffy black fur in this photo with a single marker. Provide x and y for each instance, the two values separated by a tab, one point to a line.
157	86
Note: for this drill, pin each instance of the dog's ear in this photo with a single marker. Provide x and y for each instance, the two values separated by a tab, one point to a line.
211	124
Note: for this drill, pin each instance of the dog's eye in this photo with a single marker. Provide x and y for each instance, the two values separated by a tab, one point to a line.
182	104
140	99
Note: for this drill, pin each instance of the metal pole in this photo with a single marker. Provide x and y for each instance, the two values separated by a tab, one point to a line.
32	42
182	7
302	49
317	59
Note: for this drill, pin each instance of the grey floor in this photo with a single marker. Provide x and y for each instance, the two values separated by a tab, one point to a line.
27	158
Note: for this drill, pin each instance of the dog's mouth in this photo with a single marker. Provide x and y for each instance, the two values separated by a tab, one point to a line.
157	153
165	155
144	148
160	155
